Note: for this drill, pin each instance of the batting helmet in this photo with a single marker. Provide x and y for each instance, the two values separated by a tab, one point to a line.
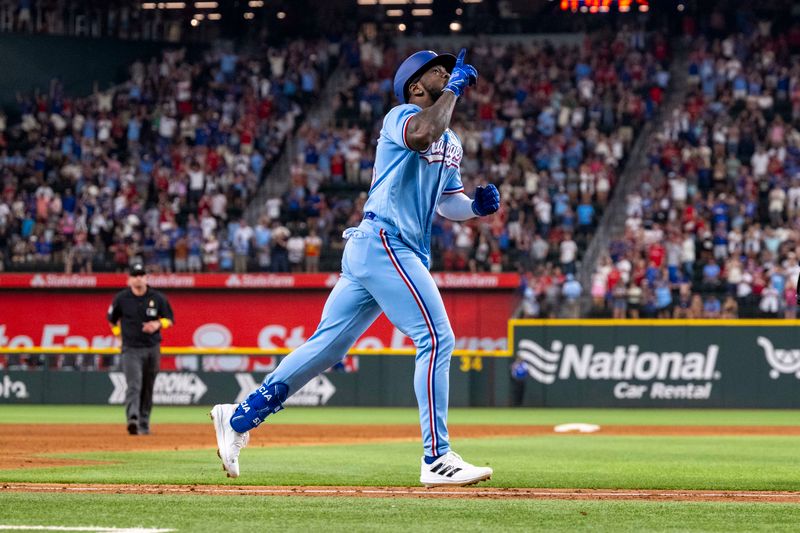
416	65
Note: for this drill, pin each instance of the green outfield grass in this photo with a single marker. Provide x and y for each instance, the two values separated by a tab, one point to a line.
730	463
557	461
250	513
100	414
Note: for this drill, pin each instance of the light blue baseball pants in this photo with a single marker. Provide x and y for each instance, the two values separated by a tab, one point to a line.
381	273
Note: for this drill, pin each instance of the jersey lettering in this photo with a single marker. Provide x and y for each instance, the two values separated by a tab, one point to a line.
437	153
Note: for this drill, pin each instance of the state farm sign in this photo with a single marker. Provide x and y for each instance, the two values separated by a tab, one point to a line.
220	319
444	280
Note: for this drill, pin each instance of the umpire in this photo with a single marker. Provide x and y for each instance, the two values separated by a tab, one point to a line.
139	313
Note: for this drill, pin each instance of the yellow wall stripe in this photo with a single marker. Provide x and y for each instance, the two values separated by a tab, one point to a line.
192	350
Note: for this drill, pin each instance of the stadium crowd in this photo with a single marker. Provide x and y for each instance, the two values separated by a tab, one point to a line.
713	230
163	166
160	167
549	125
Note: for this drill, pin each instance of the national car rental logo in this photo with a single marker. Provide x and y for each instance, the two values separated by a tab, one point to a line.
781	361
565	361
542	364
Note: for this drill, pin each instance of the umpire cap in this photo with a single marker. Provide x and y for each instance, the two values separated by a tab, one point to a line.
137	269
416	65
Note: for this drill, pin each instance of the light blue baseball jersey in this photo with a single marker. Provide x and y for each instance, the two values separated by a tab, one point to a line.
385	269
406	184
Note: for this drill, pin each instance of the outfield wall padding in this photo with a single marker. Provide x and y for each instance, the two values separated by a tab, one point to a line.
379	381
661	364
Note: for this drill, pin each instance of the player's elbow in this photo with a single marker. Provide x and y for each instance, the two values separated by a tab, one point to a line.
421	136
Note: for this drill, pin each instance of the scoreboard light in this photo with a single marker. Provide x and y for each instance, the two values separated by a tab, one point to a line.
604	6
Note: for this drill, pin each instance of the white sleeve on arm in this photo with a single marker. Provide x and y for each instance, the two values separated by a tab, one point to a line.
456	207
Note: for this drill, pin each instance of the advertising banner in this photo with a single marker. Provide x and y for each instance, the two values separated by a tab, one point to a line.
661	364
380	381
175	388
737	364
264	281
223	319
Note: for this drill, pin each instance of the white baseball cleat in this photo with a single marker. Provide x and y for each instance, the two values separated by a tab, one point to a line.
451	470
229	441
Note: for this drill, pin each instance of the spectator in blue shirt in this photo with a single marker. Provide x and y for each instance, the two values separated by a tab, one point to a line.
663	295
711	272
711	307
547	122
585	213
571	292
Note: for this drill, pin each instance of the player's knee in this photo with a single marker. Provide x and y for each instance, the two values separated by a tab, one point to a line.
443	341
447	341
262	402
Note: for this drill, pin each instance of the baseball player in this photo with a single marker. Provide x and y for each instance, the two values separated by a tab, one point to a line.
385	267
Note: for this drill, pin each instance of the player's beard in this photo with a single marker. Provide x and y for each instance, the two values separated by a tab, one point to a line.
435	92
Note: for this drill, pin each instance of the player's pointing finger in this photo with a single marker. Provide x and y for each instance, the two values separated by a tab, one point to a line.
460	58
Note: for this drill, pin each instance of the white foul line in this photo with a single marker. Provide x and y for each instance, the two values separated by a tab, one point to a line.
95	529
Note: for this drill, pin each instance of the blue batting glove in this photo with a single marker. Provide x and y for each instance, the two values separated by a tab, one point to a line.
463	76
487	200
472	75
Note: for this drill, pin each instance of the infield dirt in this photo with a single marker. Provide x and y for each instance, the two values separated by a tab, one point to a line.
414	492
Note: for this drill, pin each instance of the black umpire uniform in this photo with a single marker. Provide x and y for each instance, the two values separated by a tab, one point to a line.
139	313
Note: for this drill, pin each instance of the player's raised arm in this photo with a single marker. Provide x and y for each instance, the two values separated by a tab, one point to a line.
429	124
436	91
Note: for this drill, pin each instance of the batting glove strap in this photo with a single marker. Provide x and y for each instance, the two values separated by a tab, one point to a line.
475	209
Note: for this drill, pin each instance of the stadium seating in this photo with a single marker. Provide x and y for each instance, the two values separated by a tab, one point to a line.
549	125
712	230
160	167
